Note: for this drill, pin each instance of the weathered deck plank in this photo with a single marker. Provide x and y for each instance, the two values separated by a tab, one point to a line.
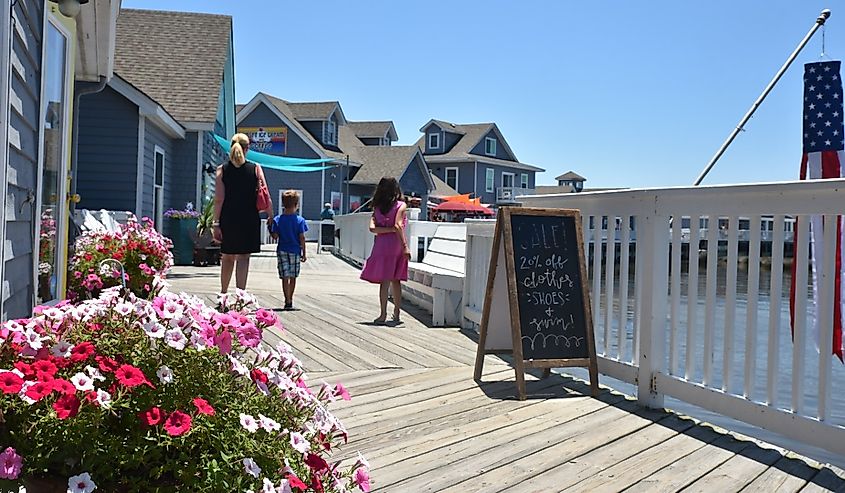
425	425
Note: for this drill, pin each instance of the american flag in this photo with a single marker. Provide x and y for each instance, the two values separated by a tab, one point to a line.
824	140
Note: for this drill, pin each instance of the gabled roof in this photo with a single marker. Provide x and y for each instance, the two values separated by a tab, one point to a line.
471	135
176	58
441	189
449	127
374	130
571	176
381	161
319	111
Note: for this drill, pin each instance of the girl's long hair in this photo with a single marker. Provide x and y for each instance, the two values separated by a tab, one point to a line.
236	151
387	193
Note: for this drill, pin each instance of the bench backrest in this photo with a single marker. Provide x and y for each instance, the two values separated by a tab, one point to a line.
447	249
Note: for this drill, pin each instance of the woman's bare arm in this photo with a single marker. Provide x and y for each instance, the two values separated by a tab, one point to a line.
219	197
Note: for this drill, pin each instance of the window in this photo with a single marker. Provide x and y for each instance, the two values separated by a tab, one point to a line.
158	188
434	141
489	179
452	177
523	180
507	180
53	171
490	146
330	133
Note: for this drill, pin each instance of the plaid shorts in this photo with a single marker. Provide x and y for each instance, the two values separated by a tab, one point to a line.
288	264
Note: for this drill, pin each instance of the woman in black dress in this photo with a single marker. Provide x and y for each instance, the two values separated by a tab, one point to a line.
237	226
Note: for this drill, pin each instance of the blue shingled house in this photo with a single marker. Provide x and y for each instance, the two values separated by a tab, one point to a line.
361	153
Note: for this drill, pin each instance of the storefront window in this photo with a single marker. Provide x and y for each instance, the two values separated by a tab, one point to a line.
50	257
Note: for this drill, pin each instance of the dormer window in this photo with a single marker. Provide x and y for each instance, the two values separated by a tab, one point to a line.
490	146
434	141
330	133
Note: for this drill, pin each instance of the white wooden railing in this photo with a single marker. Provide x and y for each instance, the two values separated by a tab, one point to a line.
311	235
643	336
356	241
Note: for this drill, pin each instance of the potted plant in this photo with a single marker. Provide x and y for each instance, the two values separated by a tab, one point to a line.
180	224
126	394
206	252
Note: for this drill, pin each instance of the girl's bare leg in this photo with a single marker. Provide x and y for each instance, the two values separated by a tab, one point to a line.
382	298
396	287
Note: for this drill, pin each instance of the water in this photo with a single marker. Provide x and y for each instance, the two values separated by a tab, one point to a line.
759	392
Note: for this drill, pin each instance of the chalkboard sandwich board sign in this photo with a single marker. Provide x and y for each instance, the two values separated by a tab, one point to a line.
537	305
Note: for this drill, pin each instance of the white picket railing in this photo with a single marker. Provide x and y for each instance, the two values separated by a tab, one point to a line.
356	241
717	354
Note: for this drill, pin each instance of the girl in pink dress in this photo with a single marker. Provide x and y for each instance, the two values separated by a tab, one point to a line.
388	262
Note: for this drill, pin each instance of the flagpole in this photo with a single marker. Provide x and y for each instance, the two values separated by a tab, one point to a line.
819	22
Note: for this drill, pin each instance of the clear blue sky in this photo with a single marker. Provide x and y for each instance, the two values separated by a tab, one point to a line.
627	94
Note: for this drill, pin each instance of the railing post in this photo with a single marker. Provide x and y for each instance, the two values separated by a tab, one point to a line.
653	245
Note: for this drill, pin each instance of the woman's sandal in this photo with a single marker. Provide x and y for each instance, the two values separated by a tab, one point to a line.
380	321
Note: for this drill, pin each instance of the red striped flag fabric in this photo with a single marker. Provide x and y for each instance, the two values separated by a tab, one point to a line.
824	141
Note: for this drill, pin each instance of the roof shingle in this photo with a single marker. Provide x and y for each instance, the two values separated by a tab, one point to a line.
381	161
176	58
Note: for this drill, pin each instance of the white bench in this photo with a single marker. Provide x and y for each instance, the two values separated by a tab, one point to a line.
437	282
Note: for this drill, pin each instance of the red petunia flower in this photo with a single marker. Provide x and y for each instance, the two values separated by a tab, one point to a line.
316	484
130	376
26	369
10	383
258	376
151	417
316	463
295	482
39	390
67	406
203	407
63	387
178	423
44	369
82	352
106	364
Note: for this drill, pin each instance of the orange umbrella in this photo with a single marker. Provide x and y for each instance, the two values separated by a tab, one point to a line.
466	207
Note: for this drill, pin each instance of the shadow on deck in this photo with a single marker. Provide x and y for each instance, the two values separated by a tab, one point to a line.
425	425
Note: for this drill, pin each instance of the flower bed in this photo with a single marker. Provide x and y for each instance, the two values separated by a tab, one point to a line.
143	252
120	393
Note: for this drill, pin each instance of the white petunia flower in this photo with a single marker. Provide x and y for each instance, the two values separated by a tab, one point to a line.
165	374
155	330
251	467
175	339
268	424
249	423
299	442
82	382
61	349
94	373
103	399
81	484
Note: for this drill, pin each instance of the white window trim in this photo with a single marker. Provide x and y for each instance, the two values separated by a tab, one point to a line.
523	180
490	180
487	141
513	178
457	177
62	203
326	134
438	141
159	189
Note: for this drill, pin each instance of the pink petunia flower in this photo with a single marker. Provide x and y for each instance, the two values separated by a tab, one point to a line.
203	407
362	479
340	391
10	464
67	406
249	335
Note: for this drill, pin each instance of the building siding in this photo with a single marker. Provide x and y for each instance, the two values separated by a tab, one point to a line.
262	116
154	136
22	167
490	197
501	152
108	151
413	183
309	183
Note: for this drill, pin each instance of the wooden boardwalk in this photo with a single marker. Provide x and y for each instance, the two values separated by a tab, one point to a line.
425	425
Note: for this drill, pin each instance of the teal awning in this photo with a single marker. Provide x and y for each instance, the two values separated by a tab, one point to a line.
279	162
